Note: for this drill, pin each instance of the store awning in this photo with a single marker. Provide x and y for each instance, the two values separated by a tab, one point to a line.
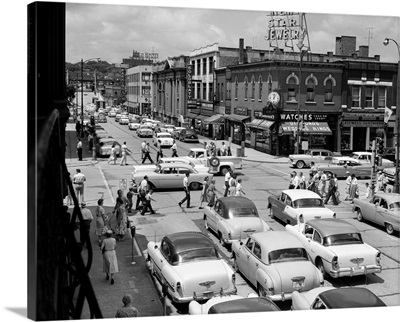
316	128
237	118
125	104
254	123
260	124
217	118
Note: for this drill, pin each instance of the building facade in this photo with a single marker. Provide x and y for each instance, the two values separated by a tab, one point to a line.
138	90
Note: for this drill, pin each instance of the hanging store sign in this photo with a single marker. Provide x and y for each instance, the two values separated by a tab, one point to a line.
362	123
283	26
191	102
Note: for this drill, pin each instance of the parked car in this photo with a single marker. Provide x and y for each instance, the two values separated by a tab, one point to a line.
317	155
328	297
134	125
163	138
169	128
189	263
276	263
124	120
233	218
101	118
146	167
233	304
383	209
144	131
117	117
103	147
170	176
336	247
390	174
294	206
112	113
188	135
366	157
175	133
340	165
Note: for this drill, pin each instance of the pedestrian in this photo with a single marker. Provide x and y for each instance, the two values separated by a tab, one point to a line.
323	181
78	128
380	182
129	196
187	191
309	181
79	182
79	149
316	180
331	191
127	310
302	181
291	181
143	189
211	193
101	219
143	148
120	216
223	149
368	191
232	188
228	151
296	180
159	152
228	175
110	263
147	203
124	152
337	193
90	140
174	150
353	192
239	188
147	153
347	188
85	225
203	195
313	167
113	155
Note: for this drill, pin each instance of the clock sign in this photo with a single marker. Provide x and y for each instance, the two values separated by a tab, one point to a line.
274	98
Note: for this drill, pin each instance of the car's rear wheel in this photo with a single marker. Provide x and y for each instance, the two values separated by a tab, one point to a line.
320	266
389	228
195	186
359	215
261	290
300	164
224	170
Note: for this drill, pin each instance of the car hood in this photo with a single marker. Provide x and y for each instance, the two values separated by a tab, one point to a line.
215	274
242	227
348	255
289	270
296	156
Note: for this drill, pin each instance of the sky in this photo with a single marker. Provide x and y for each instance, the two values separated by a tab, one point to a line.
112	32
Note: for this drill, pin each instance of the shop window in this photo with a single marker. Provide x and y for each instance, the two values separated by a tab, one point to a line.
310	90
210	65
355	96
222	93
204	97
198	66
210	92
345	143
328	91
381	97
369	96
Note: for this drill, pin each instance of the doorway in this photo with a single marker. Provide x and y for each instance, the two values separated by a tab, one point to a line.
359	138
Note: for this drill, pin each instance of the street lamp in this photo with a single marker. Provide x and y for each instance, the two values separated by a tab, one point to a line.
82	62
397	124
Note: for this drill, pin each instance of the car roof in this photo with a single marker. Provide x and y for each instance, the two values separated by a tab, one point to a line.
390	197
332	226
350	297
273	240
362	153
188	240
251	304
163	133
236	202
295	194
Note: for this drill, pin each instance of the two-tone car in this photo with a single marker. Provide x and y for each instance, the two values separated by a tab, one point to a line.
233	304
104	145
190	267
170	176
301	161
276	264
152	166
292	206
383	209
112	113
163	138
366	157
328	297
233	218
144	131
337	248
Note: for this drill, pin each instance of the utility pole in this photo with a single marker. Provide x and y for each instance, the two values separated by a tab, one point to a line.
373	168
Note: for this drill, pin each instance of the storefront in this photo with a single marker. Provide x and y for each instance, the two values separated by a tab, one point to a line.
236	124
260	137
214	126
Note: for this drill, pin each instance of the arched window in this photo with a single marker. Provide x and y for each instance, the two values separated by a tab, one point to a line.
246	87
291	85
253	87
329	91
310	90
260	87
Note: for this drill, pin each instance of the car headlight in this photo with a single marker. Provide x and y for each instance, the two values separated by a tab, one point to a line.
335	263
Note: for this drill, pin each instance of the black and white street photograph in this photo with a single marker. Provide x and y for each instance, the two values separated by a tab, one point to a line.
189	159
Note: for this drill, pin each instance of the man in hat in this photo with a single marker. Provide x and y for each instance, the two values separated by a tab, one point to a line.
331	190
85	225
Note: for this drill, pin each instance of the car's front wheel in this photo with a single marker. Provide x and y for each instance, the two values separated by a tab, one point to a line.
300	164
359	215
389	228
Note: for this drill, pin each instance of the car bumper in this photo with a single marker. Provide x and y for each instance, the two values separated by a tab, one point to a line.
356	271
202	296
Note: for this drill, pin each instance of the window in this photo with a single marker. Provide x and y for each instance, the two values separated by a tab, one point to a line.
355	96
257	250
246	88
198	67
221	98
381	97
210	65
236	88
369	96
310	90
228	90
317	237
145	77
253	88
146	90
204	66
204	97
198	90
210	92
249	244
260	87
292	89
329	91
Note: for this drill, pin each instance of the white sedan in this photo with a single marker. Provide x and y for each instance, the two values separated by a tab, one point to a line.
133	125
336	247
124	120
190	266
152	166
163	138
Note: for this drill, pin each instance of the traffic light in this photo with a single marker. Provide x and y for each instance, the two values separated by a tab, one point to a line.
379	145
92	120
378	161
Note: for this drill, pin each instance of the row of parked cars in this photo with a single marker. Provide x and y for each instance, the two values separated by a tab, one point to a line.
281	265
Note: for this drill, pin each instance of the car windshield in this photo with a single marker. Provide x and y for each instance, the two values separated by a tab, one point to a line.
308	153
343	239
308	203
143	127
192	154
287	255
195	255
243	212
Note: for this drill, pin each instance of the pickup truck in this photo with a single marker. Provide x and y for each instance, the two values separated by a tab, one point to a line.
220	164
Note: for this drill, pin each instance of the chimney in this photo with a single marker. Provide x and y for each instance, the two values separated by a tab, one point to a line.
363	51
241	51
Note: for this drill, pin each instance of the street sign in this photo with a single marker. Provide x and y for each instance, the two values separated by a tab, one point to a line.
123	184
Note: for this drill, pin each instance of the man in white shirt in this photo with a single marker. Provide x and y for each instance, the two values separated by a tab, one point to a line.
124	151
85	225
223	149
226	180
78	180
296	180
79	149
187	192
143	147
174	150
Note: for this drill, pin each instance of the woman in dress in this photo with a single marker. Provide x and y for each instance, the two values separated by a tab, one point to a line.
211	193
101	219
203	196
113	155
120	216
110	263
232	188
